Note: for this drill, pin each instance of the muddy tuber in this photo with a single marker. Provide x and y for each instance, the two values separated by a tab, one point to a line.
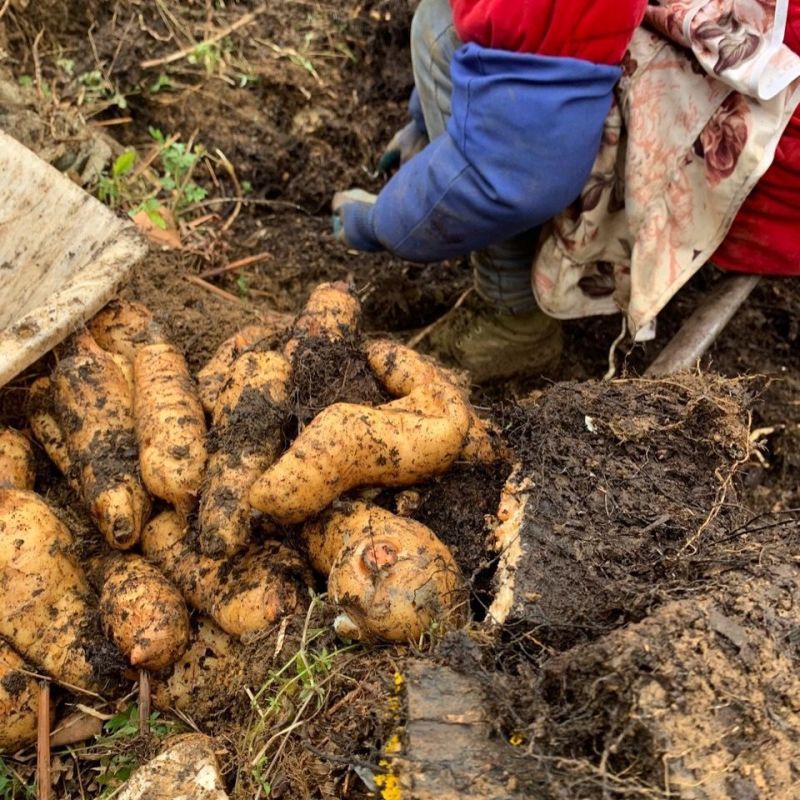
391	577
94	410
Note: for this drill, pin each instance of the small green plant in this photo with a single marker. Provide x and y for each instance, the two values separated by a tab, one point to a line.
112	187
99	92
178	162
117	759
289	697
163	81
242	286
66	65
122	187
12	787
245	80
152	208
208	55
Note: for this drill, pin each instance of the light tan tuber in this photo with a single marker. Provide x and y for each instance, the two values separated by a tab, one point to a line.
94	410
391	577
17	468
243	595
46	606
142	612
245	439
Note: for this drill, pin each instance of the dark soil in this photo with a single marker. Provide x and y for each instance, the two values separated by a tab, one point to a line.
651	645
632	483
460	507
325	372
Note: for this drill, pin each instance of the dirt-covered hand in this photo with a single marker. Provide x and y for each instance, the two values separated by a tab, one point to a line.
405	144
351	219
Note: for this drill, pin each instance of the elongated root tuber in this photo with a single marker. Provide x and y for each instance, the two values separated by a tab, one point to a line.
242	595
391	576
170	426
401	369
206	674
17	469
332	312
346	445
213	375
123	327
245	439
187	768
93	407
47	429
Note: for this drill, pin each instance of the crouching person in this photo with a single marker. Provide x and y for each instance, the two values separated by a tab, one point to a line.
507	115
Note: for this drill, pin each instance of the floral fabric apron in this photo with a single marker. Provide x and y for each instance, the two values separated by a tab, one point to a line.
707	92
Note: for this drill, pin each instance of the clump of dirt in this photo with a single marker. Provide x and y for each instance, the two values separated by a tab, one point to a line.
254	421
630	494
699	699
108	663
325	372
460	508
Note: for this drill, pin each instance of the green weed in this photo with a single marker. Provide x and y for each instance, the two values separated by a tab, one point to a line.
123	187
112	187
242	287
163	81
178	161
98	92
12	786
289	698
117	757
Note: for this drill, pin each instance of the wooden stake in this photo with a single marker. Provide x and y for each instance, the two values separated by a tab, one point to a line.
144	702
43	743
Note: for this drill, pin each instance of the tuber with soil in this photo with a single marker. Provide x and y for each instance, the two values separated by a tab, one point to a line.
17	468
95	412
348	446
46	612
170	426
391	577
142	612
245	439
242	595
212	377
18	697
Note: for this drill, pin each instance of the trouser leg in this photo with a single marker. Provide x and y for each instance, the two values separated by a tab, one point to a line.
502	273
434	41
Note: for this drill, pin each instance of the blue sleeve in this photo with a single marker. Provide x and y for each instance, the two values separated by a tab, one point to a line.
519	147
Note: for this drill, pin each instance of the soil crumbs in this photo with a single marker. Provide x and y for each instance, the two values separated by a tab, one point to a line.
653	647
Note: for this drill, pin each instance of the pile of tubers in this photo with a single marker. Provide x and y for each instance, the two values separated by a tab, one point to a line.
218	517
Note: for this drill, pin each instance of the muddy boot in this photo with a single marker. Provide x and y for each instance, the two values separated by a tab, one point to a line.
495	346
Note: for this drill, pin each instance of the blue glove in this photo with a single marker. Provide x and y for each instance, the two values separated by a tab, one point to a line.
352	219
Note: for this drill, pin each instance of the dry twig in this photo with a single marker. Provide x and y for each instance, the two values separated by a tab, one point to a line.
220	34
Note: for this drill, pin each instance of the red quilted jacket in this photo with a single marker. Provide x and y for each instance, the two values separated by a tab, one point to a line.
765	236
592	30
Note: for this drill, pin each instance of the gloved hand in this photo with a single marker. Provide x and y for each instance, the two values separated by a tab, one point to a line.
351	220
407	142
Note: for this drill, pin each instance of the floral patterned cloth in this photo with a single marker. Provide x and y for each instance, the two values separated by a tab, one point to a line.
707	91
